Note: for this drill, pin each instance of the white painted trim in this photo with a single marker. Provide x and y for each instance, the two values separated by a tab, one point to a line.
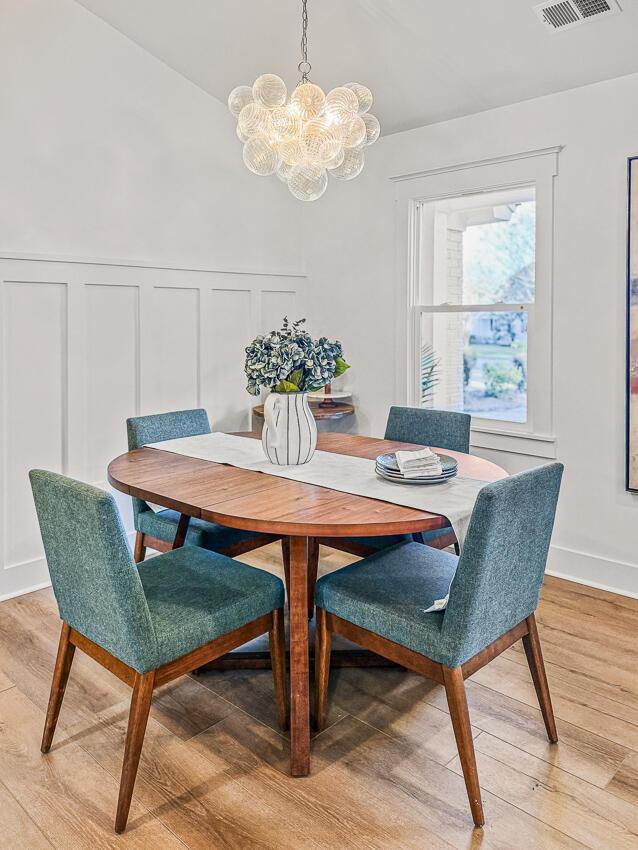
540	168
39	561
586	568
477	163
145	264
534	445
25	590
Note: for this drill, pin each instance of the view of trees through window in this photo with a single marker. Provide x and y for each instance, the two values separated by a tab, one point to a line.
474	356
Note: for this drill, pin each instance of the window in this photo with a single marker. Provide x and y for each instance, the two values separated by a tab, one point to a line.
475	292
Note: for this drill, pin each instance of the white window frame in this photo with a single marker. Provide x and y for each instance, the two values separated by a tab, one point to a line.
537	168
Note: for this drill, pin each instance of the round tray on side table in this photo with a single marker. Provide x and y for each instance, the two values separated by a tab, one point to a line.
320	411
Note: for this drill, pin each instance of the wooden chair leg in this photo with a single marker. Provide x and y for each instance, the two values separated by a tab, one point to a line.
457	702
323	641
285	556
139	553
313	568
182	531
532	645
276	639
138	717
63	661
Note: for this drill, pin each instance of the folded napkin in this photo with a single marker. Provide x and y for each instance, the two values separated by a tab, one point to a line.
422	462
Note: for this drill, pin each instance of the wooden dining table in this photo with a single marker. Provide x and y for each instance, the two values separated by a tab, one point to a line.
254	501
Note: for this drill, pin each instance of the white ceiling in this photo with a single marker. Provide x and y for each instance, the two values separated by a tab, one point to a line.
425	60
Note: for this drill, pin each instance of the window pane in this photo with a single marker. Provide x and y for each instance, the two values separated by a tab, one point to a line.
476	363
479	249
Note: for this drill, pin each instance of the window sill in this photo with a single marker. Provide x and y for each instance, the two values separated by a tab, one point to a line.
535	445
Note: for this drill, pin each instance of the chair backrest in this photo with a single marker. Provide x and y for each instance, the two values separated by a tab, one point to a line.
158	427
94	578
500	571
444	429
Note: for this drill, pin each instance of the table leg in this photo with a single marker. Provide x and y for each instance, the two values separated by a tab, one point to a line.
299	663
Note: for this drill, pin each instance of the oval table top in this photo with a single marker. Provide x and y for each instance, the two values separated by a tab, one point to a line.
255	501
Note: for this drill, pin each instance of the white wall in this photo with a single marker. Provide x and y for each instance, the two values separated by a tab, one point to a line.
351	245
107	153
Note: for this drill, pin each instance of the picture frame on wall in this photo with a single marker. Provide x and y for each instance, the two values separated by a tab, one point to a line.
632	325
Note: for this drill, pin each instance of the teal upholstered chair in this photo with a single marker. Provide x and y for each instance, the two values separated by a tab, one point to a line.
443	429
147	623
382	602
158	530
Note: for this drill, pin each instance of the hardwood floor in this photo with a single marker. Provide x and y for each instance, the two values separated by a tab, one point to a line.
385	774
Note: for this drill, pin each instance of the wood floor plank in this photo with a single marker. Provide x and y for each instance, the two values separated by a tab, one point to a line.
590	815
393	702
573	704
215	769
325	809
186	707
390	774
200	798
604	596
587	755
624	783
28	645
18	830
5	681
67	794
253	691
388	699
580	679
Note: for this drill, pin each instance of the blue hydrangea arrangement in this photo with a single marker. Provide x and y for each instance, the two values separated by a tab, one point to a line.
291	361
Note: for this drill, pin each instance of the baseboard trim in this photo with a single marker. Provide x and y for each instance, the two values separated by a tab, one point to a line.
591	570
24	590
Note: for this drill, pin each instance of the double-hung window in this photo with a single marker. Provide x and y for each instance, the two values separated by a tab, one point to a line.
479	278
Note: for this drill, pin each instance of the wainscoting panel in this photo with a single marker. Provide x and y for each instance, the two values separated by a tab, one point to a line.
223	344
86	344
111	370
174	340
276	304
34	415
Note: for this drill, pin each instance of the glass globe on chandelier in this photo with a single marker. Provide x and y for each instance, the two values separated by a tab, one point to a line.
305	138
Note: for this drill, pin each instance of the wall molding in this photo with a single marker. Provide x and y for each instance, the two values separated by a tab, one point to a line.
592	570
86	343
477	163
13	594
533	445
147	264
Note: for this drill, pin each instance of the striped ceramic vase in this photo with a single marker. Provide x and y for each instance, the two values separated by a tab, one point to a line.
289	437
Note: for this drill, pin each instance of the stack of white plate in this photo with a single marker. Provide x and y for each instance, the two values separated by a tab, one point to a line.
388	468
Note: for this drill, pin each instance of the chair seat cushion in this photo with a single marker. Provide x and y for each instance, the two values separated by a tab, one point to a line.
195	596
389	592
208	535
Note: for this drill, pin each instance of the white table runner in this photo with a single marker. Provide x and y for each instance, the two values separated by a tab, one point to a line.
453	499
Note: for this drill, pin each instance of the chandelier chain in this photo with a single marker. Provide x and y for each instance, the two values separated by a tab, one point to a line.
304	66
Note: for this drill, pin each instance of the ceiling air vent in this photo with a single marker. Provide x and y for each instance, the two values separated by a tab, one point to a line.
566	14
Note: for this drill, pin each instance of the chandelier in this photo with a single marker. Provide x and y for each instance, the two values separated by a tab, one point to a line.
304	138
